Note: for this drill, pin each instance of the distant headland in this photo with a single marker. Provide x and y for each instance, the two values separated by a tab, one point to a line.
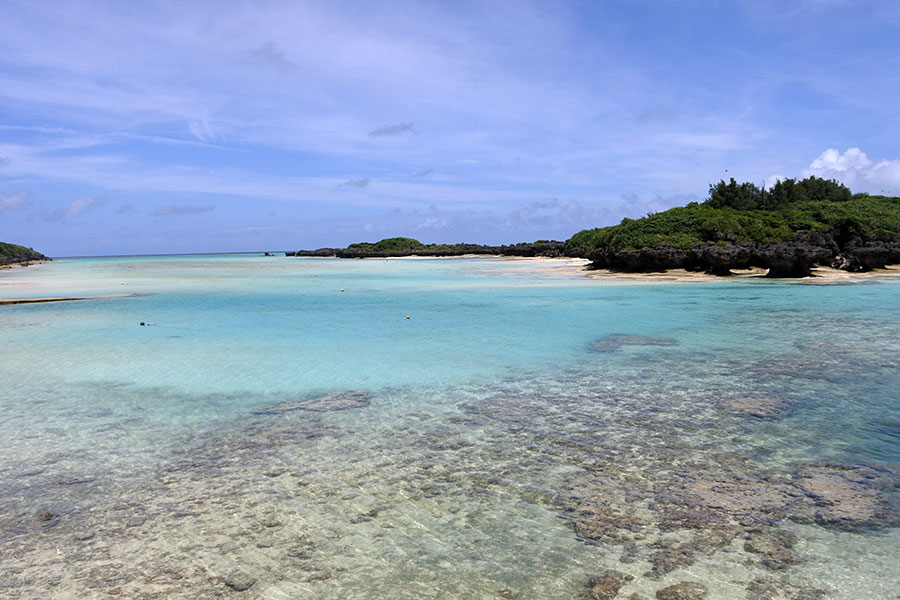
404	246
788	229
15	255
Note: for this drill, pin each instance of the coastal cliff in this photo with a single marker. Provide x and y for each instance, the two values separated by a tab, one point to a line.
13	254
788	230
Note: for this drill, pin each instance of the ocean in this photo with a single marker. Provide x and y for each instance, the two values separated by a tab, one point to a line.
275	427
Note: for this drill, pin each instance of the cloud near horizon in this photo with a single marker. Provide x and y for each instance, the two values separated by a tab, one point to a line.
14	201
356	183
398	129
174	210
857	171
75	208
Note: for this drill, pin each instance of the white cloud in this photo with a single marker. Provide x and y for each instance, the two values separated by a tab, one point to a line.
636	206
857	171
76	207
14	201
432	223
202	128
771	180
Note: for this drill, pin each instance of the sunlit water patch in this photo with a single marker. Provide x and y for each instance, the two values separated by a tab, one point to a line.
524	434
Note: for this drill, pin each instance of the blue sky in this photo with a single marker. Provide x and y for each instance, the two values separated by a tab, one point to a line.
159	127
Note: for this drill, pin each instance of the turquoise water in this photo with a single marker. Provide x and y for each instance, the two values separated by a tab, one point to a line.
524	430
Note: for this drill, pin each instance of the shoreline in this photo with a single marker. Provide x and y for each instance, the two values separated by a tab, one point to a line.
13	301
561	267
20	265
579	267
820	276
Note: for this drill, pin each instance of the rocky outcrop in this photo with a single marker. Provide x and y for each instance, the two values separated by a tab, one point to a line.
13	254
686	590
329	402
607	586
615	341
546	249
796	258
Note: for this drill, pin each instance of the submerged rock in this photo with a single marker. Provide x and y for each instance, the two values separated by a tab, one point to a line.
686	590
763	407
847	496
615	341
334	401
239	581
764	588
672	517
607	586
774	548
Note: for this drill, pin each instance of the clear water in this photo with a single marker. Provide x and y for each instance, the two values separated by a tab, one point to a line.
496	443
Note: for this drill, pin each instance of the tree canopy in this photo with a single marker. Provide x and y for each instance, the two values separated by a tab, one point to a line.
747	196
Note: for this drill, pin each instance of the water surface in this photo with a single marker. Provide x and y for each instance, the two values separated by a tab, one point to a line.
523	432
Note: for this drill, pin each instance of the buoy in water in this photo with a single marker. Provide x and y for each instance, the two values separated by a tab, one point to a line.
342	289
407	316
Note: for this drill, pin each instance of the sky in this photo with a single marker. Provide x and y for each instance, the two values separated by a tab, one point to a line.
169	127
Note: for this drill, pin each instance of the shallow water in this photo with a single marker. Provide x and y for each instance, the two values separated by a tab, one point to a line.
523	432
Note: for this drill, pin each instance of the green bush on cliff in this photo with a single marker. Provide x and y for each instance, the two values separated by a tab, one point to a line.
16	252
395	244
744	213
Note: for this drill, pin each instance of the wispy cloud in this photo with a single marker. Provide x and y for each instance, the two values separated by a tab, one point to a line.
356	183
554	216
312	93
657	113
398	129
202	127
175	210
635	205
75	208
270	55
14	201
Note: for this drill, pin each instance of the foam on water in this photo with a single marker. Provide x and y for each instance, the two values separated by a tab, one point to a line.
524	431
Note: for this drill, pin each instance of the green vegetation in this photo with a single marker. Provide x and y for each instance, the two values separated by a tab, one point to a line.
404	246
13	253
397	244
745	213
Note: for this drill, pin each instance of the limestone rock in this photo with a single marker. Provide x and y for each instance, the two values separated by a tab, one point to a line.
615	341
686	590
334	401
607	586
239	581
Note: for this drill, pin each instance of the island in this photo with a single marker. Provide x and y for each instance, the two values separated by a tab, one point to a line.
404	246
14	255
787	230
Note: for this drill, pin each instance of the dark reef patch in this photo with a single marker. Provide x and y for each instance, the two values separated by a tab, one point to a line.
616	341
329	402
